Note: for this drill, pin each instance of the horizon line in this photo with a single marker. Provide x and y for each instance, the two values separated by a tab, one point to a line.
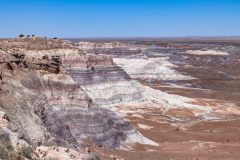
133	37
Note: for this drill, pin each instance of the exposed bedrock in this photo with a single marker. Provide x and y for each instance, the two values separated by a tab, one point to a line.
86	61
72	124
112	93
98	75
106	85
71	118
24	107
104	77
115	49
117	52
62	90
56	109
62	108
151	69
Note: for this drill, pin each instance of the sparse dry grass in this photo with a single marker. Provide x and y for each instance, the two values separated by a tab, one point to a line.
8	153
5	150
26	151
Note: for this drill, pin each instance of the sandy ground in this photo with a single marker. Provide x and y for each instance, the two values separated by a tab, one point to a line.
184	137
187	140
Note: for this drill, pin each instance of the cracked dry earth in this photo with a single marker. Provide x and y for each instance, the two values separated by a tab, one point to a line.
132	99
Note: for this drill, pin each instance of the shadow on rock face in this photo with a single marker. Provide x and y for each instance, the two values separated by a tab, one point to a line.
70	125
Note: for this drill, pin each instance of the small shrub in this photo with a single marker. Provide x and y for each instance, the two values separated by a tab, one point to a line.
26	152
4	154
21	35
15	156
5	150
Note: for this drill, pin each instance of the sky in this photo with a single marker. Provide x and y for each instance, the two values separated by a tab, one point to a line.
119	18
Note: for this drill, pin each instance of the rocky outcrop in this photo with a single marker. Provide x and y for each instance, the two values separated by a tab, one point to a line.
112	93
126	90
56	109
114	49
68	96
86	61
17	100
98	75
151	69
47	90
73	124
13	61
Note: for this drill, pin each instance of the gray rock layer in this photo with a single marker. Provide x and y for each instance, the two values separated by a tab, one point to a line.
98	75
44	104
72	124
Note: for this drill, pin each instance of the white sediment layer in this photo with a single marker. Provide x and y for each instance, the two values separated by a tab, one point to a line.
53	52
139	138
143	126
208	52
136	97
134	93
150	69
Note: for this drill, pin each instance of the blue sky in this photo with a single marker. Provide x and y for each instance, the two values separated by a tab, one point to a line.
120	18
